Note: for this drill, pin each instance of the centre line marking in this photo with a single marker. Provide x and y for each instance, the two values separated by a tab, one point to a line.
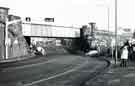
55	76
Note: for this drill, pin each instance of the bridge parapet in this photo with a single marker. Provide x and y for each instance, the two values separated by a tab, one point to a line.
49	31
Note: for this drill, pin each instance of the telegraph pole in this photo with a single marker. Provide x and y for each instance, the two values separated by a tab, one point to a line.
116	41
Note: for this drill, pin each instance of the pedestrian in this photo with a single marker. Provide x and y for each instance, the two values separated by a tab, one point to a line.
124	56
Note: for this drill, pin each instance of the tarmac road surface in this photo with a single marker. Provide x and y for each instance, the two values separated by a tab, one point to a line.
55	70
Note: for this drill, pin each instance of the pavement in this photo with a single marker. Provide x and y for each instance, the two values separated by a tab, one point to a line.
26	57
54	50
115	76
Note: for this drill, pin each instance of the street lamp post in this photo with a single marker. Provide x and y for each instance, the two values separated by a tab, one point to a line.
6	40
116	41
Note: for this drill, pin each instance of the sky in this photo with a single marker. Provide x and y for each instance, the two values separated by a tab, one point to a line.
75	12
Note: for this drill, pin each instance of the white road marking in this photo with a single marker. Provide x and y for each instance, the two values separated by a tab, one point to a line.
25	66
55	76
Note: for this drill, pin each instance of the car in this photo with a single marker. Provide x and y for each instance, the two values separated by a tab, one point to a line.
92	53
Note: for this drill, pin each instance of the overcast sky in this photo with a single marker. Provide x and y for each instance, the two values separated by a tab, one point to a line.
75	12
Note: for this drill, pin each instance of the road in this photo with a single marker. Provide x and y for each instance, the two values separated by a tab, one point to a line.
55	70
